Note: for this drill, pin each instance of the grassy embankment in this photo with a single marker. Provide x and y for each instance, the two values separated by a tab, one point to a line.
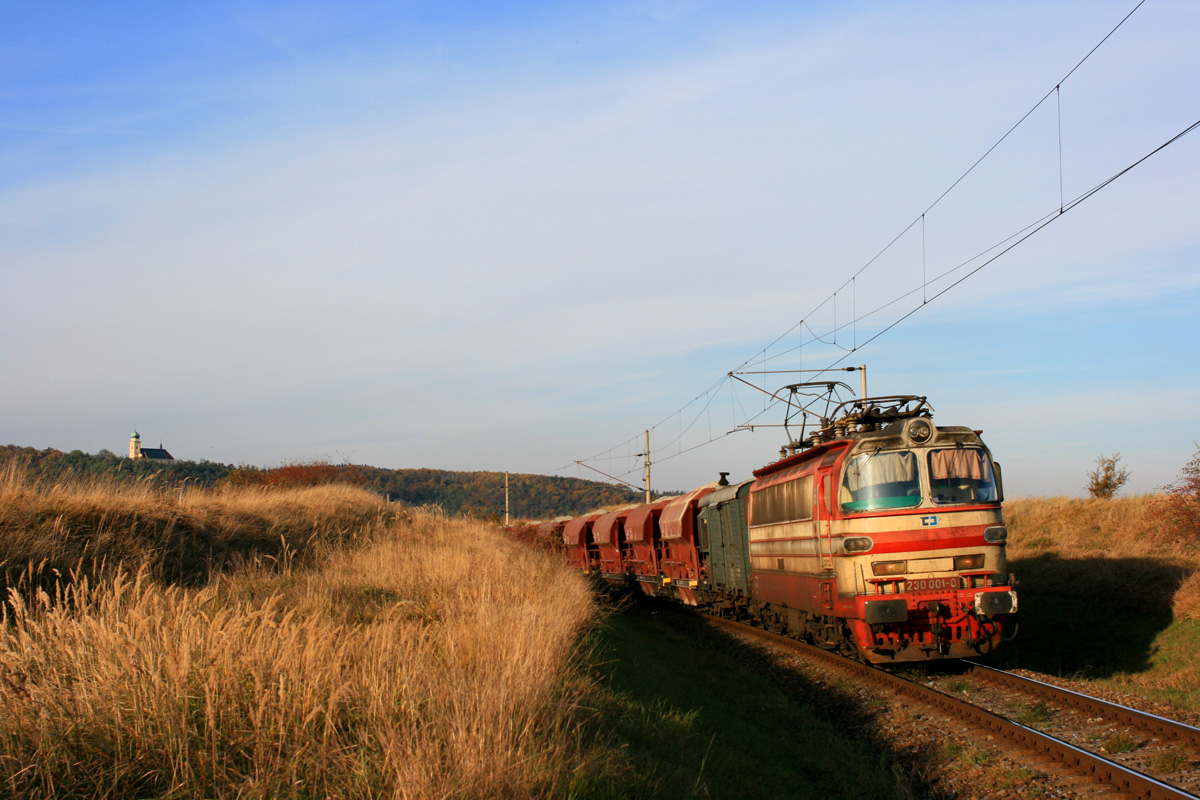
319	642
303	643
370	653
1108	594
699	713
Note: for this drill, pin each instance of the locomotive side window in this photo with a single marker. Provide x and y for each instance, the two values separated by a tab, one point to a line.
962	475
881	480
783	502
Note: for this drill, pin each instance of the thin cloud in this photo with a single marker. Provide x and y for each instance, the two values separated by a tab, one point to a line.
338	244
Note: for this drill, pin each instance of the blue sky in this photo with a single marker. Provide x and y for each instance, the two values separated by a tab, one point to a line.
506	237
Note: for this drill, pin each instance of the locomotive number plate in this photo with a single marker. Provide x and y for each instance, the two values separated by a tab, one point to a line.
931	585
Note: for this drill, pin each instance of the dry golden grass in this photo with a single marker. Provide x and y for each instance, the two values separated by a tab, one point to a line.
435	658
1186	603
180	535
1117	588
1119	527
1129	556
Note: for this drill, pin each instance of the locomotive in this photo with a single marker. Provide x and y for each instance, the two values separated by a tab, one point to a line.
878	534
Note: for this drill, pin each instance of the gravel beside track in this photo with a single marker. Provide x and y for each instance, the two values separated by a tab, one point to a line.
957	728
1144	739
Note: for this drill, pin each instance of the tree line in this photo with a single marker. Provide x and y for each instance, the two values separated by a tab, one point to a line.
479	494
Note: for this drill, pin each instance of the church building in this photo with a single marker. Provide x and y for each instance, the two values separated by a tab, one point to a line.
153	454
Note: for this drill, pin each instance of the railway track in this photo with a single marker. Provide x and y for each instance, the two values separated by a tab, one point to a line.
1158	727
1076	751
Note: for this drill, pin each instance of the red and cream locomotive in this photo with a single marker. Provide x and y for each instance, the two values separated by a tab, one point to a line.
879	534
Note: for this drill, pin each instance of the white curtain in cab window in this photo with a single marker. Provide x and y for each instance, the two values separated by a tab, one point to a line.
946	464
881	468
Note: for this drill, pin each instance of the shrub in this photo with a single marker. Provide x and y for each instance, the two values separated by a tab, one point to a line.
1178	508
309	473
1107	478
1121	742
1173	759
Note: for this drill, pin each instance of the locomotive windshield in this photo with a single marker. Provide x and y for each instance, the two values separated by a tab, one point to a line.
881	480
892	479
961	475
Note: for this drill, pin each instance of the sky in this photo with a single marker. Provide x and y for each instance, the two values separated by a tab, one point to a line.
514	236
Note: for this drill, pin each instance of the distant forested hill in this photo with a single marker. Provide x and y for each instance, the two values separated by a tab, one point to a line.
477	493
482	493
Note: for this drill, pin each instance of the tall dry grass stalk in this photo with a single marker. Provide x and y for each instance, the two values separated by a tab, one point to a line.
433	662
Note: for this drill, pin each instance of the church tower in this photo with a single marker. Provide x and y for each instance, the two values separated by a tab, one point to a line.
135	445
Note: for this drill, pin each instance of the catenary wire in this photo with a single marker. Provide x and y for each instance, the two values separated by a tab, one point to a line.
1023	235
1008	244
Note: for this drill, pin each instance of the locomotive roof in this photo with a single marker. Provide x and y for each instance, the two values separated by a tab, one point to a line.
892	435
804	456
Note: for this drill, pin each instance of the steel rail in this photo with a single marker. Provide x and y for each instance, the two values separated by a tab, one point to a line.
1085	702
1098	768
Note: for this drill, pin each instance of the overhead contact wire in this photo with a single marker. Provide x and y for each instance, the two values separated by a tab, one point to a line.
851	281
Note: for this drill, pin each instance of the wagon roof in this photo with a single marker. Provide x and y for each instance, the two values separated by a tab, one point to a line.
674	516
574	529
602	530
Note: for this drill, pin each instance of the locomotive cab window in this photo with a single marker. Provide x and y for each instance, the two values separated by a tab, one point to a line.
962	475
881	480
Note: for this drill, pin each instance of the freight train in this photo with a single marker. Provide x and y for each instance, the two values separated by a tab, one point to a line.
879	534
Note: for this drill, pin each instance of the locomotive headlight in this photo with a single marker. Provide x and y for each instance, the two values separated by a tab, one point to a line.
995	534
889	567
857	544
968	562
919	431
